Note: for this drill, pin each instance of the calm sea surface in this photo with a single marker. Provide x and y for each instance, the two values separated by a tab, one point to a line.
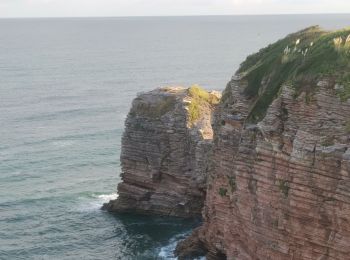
65	88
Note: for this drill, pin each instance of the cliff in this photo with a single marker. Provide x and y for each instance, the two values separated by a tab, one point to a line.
167	138
278	182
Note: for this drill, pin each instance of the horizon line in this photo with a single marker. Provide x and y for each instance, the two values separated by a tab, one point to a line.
155	16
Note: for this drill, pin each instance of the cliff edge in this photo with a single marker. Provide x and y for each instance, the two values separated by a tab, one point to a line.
279	181
165	147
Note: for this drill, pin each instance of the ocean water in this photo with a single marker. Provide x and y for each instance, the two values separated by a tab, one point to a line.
65	88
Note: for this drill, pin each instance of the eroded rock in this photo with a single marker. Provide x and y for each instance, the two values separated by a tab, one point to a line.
165	148
279	185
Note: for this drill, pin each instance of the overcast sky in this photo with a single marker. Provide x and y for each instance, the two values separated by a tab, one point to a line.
54	8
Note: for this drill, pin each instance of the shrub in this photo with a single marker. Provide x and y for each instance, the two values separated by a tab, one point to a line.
222	192
284	187
199	93
199	97
194	110
232	183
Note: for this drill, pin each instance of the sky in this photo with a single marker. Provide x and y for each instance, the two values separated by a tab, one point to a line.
78	8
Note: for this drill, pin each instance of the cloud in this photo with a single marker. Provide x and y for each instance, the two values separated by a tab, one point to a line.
245	2
18	8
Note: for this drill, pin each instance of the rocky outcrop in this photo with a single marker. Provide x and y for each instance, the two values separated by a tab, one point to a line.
165	147
275	168
279	181
280	189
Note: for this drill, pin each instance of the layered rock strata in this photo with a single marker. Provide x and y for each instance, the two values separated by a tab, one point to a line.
275	177
165	147
278	187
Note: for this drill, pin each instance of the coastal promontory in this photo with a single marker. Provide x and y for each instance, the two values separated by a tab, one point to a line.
267	165
279	185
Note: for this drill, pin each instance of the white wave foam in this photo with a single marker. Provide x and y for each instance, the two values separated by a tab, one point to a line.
108	197
97	201
167	252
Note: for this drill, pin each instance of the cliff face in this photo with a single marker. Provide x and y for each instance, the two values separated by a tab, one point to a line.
275	168
167	138
278	185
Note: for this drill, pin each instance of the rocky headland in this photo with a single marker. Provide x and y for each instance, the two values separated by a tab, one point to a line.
275	176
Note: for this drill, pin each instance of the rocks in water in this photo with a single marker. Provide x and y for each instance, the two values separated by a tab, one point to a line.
165	148
191	248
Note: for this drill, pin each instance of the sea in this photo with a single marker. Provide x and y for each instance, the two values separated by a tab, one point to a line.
66	85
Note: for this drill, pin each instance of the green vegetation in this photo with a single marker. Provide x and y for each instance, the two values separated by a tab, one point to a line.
197	92
347	127
232	183
299	60
344	92
199	97
194	111
222	192
284	187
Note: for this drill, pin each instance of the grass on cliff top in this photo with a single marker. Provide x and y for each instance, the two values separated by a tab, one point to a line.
199	97
300	59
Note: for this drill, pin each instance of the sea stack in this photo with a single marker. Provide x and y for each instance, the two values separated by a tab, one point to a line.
165	150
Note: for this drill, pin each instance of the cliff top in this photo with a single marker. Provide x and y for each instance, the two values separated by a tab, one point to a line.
300	59
199	98
162	103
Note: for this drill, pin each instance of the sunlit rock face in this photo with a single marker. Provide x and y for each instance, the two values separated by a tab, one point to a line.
278	185
165	148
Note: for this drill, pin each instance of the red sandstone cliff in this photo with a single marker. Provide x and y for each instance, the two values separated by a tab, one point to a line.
279	185
167	138
275	178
